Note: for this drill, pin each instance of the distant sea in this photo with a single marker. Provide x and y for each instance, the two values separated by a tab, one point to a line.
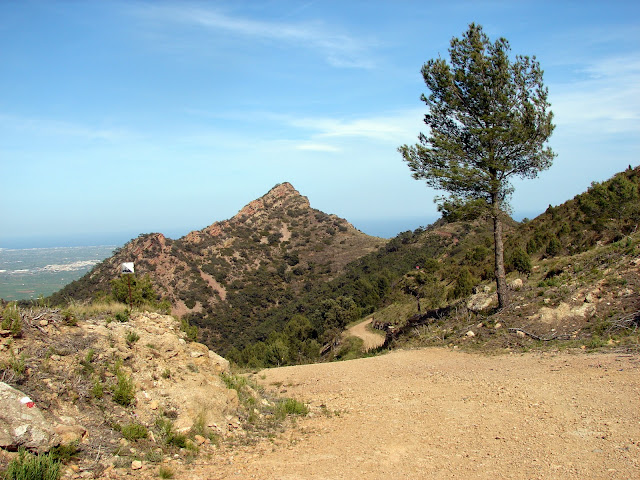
29	273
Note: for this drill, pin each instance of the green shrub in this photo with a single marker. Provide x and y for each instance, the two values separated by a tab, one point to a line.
554	247
12	320
97	390
134	431
464	284
124	391
165	428
122	317
132	337
520	261
138	289
69	318
190	330
65	452
33	467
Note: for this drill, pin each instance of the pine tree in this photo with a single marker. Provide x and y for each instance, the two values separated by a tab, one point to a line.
489	120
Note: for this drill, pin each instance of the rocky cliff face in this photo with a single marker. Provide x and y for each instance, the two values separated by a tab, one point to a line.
225	276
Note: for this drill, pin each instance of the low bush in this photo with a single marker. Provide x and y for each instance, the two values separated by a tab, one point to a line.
33	467
124	392
134	431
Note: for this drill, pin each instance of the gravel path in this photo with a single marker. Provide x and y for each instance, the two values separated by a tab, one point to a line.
370	339
438	413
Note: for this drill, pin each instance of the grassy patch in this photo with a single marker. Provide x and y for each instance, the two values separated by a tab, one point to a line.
165	472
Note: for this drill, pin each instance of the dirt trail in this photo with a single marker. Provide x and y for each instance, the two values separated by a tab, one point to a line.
438	413
370	339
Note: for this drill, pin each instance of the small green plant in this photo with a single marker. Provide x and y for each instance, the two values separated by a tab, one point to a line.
124	391
97	390
166	373
165	428
122	317
153	456
65	452
87	367
134	431
291	406
33	467
69	318
132	337
18	364
12	320
235	382
193	368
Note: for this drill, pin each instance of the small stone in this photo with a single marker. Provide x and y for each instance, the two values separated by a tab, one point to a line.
153	405
196	354
516	284
70	433
470	334
497	325
521	334
43	323
136	465
200	439
55	358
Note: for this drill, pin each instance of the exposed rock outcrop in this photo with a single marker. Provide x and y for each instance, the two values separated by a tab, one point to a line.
22	424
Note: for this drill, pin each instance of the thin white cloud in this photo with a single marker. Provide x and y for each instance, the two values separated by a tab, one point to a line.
394	128
339	49
606	101
59	128
317	147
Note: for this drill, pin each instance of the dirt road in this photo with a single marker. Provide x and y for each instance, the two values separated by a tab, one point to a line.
438	413
370	339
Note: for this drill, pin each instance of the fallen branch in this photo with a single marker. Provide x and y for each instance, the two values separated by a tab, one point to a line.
627	322
542	339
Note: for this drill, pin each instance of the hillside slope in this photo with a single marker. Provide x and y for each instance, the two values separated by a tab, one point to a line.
225	277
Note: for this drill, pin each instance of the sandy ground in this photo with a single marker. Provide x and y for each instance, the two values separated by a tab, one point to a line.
370	339
438	413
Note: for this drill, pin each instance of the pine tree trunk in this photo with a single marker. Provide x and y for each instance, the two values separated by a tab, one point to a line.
501	281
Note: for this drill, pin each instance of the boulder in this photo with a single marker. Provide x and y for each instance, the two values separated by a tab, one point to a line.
516	284
70	433
481	301
22	424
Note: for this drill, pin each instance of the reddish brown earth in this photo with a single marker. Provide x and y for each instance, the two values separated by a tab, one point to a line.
438	413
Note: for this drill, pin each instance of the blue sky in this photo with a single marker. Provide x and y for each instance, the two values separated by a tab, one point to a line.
120	118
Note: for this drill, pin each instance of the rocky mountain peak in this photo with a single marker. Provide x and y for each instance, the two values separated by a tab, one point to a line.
281	196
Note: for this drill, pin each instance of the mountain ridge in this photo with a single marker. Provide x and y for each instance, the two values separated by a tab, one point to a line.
227	274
